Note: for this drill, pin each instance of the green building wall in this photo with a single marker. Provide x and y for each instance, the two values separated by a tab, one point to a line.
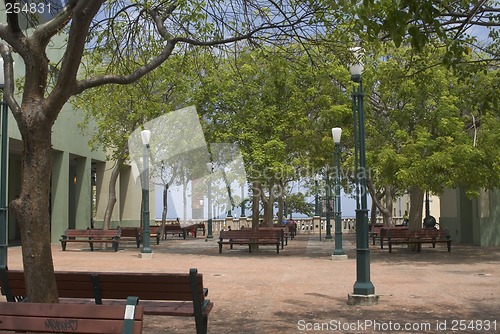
471	221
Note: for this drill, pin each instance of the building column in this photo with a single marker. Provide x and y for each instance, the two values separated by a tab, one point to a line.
59	209
83	188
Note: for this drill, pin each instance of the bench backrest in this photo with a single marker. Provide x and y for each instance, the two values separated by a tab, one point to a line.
127	232
250	234
431	233
173	227
152	229
92	233
395	233
280	230
69	284
113	285
384	230
74	318
375	228
150	286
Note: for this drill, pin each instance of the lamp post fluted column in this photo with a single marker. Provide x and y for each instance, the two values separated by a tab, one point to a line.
364	291
146	236
4	239
328	189
338	252
209	200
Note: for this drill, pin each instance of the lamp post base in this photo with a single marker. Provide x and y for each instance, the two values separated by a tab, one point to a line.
339	257
362	300
146	255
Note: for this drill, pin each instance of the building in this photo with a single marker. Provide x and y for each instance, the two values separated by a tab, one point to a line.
473	221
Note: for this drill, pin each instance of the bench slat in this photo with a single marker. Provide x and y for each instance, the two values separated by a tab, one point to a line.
76	318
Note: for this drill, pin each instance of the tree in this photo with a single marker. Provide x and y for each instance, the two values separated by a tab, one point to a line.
419	128
454	24
280	108
117	30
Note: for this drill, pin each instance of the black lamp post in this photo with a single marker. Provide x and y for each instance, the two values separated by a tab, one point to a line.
146	240
3	175
364	291
210	167
338	251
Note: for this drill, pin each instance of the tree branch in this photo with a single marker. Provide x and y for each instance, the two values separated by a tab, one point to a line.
8	89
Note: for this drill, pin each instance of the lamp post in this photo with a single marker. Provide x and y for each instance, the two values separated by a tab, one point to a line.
3	175
364	291
338	252
146	240
328	198
242	201
316	197
210	167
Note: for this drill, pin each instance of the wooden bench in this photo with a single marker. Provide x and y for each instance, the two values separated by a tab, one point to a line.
249	237
432	236
194	228
91	236
74	318
291	228
159	293
383	233
155	231
174	229
283	233
129	234
374	231
419	237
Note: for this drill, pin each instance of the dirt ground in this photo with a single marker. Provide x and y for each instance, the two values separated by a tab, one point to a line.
301	290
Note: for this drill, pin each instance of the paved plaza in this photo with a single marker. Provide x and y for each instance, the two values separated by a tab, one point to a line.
301	290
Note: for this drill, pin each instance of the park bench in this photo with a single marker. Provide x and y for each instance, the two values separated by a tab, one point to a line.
155	231
129	234
162	294
433	236
374	231
283	233
194	228
419	237
291	227
74	318
249	237
174	229
91	236
384	231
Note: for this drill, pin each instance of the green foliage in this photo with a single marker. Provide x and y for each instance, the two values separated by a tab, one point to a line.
427	128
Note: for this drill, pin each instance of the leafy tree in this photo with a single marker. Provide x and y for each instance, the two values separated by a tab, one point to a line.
279	108
419	133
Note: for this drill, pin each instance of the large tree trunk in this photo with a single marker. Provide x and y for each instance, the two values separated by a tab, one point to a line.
270	206
165	208
30	209
385	210
416	207
115	172
281	202
256	190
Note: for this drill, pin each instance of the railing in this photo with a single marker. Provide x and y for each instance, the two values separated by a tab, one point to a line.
304	225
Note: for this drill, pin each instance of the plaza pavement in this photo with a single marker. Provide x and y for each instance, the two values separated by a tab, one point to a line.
301	290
